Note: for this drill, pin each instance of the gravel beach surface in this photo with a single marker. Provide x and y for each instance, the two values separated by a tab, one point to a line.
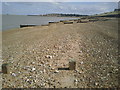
34	55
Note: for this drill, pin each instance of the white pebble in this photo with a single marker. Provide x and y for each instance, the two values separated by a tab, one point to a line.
13	74
33	62
81	62
44	70
96	83
49	56
56	71
76	80
33	69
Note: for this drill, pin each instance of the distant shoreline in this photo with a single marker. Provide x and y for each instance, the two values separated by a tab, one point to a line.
45	19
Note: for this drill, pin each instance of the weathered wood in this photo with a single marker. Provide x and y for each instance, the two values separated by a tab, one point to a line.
71	20
62	20
82	21
63	68
53	22
68	22
93	20
27	25
45	25
5	68
72	65
78	21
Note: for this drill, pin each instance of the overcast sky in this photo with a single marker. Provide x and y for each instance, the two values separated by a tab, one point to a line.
59	0
27	8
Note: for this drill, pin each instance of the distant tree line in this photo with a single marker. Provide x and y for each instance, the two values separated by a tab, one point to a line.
72	15
61	15
117	10
65	15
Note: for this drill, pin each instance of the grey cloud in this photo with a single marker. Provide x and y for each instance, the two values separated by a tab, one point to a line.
55	7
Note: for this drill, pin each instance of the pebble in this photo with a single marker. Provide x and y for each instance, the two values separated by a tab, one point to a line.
33	69
60	47
56	71
42	84
80	72
46	81
108	74
50	65
47	49
76	70
75	80
80	51
41	72
52	68
33	62
13	74
81	62
96	83
49	56
40	65
35	81
107	54
19	72
44	71
27	80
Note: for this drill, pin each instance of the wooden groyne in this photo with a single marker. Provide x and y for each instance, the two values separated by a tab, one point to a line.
68	22
27	25
45	25
81	20
53	22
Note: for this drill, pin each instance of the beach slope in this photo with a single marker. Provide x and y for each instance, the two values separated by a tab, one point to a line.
34	55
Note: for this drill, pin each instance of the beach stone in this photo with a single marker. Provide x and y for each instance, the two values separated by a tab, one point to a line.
56	71
75	80
81	62
33	62
33	69
49	56
48	49
27	80
44	71
80	72
13	74
19	72
41	71
52	68
96	83
80	51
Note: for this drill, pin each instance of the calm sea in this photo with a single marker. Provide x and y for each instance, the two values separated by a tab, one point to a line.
14	21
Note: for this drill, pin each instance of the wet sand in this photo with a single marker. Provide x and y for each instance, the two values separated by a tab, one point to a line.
34	55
